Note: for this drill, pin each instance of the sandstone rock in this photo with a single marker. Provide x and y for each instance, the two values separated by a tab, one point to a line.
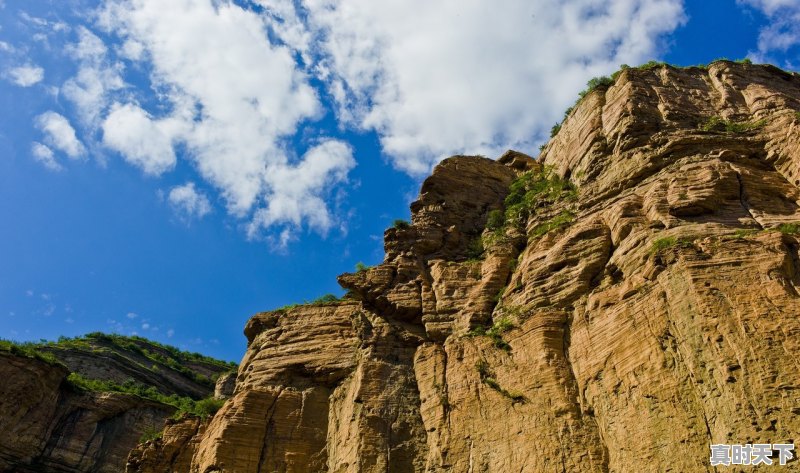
661	316
226	385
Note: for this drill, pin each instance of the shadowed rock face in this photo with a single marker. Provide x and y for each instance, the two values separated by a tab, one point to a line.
659	315
46	426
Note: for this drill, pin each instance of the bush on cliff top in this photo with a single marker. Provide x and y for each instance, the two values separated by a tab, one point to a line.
28	350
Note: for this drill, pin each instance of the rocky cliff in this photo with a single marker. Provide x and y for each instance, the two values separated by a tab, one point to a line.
618	304
81	405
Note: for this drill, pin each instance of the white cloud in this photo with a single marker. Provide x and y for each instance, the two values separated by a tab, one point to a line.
437	78
131	315
170	333
188	202
96	79
142	142
784	30
60	134
231	86
145	326
233	99
292	195
55	26
132	50
44	155
26	76
5	47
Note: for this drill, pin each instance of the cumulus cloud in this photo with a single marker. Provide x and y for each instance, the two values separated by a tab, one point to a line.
188	202
26	76
45	156
232	85
97	77
233	98
292	195
437	78
783	31
143	142
60	134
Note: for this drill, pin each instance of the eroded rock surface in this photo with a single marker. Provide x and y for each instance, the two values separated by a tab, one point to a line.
47	426
622	328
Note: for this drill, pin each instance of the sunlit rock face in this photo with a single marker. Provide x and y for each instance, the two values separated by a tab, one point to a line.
618	304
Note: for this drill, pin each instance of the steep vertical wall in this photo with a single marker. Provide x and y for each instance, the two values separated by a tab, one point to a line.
623	326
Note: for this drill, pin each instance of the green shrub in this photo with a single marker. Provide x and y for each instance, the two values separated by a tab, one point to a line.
594	83
533	188
495	220
401	224
743	233
183	404
207	407
616	75
28	350
719	124
494	332
475	249
564	218
326	299
361	267
670	242
487	377
663	244
651	65
151	434
789	228
555	129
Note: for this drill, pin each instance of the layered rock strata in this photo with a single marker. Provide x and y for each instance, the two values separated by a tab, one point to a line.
623	324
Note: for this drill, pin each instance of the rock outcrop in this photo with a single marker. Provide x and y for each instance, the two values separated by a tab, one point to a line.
619	304
50	424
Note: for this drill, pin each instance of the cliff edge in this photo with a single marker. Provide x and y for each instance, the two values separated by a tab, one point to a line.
618	304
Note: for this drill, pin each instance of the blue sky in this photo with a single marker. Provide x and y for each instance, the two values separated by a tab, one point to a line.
170	168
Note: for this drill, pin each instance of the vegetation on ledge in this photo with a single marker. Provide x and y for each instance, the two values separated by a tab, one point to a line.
158	356
719	124
487	377
495	332
536	189
324	300
28	350
185	405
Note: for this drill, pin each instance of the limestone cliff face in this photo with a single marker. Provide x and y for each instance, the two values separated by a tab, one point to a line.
622	325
